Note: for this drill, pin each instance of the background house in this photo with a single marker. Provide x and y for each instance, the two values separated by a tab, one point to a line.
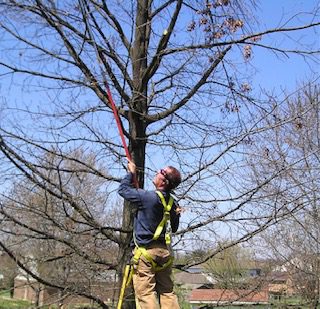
102	283
255	287
194	278
280	285
26	288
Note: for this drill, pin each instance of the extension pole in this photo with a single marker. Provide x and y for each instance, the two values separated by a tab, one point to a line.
119	125
106	84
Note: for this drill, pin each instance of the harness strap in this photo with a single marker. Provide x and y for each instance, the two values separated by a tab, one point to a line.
166	217
143	251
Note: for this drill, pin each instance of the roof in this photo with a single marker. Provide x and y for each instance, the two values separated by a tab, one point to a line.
223	295
279	275
191	278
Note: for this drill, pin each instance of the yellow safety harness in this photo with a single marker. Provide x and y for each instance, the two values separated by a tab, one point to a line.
138	251
142	251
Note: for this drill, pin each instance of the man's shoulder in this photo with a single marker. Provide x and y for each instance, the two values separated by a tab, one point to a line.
149	193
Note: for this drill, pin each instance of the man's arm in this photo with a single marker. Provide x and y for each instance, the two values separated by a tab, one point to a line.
127	190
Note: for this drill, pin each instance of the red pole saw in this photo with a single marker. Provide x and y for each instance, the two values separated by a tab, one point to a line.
106	84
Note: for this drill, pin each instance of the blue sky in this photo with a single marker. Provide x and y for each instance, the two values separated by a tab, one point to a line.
278	72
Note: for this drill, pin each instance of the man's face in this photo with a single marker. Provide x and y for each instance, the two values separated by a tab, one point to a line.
160	179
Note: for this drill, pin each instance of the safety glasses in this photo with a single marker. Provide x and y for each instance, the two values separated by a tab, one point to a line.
164	174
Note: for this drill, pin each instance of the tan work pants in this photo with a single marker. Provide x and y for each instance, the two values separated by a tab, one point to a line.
148	284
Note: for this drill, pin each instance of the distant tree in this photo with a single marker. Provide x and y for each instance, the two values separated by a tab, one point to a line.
230	267
294	151
64	250
8	271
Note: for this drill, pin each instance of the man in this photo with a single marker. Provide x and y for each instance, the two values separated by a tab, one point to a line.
152	258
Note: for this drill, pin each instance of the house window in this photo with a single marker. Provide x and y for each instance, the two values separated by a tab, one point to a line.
277	297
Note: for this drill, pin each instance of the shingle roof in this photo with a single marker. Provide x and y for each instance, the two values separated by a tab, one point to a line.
190	278
222	295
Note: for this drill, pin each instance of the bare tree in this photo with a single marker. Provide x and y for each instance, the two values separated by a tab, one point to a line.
174	69
64	250
294	150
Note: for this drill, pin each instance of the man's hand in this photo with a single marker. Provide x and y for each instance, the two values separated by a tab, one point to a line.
131	167
179	210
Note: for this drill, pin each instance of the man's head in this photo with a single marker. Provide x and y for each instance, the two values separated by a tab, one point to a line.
167	179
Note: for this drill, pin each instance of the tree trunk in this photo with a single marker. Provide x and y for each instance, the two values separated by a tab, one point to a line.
137	131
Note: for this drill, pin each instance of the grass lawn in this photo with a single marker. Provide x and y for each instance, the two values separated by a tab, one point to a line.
8	303
4	293
13	304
